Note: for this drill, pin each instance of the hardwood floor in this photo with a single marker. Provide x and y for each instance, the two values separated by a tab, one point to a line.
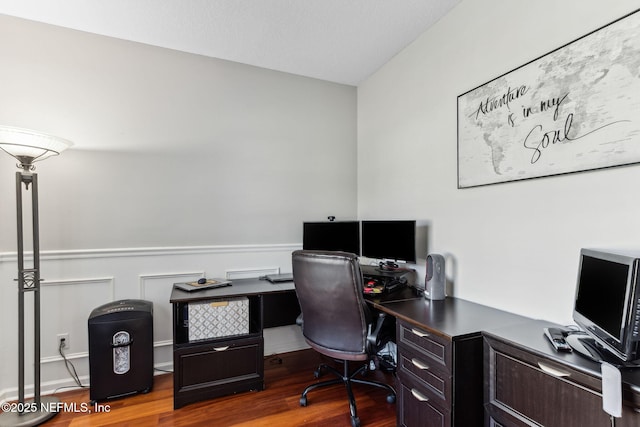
278	405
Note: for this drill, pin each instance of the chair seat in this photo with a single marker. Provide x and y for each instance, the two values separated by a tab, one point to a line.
337	354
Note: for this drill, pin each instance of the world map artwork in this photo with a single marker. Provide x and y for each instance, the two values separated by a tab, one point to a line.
574	109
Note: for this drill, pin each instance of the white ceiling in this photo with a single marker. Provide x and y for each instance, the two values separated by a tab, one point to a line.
343	41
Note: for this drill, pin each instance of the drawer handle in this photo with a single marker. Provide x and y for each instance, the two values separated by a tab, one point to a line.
553	371
221	348
419	333
418	364
421	397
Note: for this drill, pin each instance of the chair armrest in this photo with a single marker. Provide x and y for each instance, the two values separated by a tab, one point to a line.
372	335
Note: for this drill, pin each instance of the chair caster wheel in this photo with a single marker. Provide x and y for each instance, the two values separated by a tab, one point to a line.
303	401
391	398
355	422
316	374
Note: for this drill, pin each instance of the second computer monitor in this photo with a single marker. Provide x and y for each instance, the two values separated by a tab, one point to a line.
390	240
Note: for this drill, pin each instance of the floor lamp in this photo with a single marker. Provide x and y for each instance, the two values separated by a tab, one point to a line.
28	147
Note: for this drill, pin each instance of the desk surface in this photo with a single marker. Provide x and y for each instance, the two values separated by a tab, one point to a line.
255	286
242	287
406	293
452	317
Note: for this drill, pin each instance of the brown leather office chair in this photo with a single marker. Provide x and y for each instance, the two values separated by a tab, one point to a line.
336	320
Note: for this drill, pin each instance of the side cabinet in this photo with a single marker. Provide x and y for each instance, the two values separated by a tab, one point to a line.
526	388
439	378
212	367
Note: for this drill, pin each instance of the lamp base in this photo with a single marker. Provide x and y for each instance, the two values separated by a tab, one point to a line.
48	409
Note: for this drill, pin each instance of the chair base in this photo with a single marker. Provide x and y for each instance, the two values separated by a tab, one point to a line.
347	379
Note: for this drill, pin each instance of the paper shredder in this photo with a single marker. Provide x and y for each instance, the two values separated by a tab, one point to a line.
120	349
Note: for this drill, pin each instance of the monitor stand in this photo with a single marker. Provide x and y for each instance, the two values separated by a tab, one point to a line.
588	347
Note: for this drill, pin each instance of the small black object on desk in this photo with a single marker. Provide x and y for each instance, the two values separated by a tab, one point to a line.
556	337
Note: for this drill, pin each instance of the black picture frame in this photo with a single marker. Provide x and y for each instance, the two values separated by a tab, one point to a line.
573	109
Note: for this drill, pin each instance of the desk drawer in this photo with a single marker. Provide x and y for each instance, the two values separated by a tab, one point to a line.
435	349
417	409
211	370
416	368
525	389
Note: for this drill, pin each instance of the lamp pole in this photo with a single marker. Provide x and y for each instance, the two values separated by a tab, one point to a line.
40	408
27	147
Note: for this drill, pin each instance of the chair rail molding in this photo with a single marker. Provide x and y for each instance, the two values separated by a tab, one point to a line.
152	251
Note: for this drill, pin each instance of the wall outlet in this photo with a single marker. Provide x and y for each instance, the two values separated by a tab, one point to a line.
65	338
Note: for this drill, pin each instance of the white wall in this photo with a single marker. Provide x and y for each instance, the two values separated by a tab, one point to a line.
182	166
515	245
171	148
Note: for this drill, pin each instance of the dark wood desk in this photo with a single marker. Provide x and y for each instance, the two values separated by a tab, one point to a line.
440	357
216	366
444	335
440	351
440	379
523	381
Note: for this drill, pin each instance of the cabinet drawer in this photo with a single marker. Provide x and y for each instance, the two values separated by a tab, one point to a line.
210	370
574	376
414	367
434	348
541	393
417	409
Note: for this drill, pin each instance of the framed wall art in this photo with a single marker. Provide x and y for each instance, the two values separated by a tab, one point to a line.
574	109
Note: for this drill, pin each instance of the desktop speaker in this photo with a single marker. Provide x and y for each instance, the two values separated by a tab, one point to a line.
435	280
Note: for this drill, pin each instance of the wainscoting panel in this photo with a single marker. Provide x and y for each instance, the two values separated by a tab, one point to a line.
65	307
157	289
80	280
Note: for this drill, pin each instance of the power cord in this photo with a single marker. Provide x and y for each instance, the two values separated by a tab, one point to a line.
70	368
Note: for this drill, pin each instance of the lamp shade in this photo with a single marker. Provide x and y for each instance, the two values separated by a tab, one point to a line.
29	146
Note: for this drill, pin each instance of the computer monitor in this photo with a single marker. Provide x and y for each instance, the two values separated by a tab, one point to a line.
332	236
607	301
393	240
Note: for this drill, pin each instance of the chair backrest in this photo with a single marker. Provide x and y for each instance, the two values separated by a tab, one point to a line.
330	292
